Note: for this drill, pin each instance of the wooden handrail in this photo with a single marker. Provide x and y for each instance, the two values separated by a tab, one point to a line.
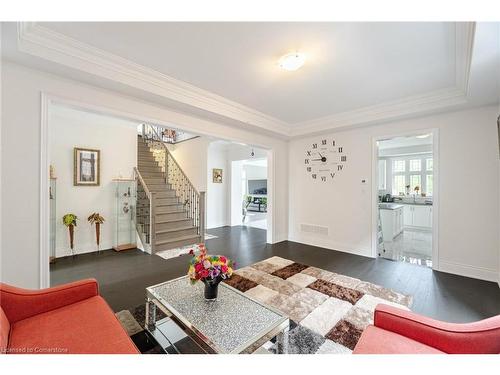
145	187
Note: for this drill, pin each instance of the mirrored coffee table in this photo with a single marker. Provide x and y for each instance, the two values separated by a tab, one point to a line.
234	323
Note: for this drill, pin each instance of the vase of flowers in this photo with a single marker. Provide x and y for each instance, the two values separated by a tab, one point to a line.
211	288
210	269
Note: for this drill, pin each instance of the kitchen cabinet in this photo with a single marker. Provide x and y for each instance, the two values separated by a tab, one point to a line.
408	215
392	222
418	216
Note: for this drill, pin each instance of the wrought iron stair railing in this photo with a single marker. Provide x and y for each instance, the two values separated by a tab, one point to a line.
145	216
192	200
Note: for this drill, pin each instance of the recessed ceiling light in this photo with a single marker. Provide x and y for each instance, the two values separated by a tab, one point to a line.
291	61
423	136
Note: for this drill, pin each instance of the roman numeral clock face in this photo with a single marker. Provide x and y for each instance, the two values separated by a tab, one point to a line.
325	160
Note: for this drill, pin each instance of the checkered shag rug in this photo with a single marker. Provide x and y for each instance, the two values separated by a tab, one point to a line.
328	311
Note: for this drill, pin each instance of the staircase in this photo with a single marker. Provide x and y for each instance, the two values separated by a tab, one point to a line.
170	211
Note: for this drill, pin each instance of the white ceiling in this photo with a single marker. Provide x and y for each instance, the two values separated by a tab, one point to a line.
400	142
256	162
349	65
369	71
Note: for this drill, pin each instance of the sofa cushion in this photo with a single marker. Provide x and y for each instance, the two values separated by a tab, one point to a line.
4	331
88	326
375	340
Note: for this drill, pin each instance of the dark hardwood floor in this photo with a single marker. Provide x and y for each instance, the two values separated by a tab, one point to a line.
124	276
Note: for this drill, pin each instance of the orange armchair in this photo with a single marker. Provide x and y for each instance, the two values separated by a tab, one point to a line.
71	318
400	331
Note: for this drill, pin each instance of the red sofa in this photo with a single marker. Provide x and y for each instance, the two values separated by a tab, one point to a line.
397	331
71	318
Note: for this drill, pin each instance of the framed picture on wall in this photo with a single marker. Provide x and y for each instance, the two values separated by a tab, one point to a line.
86	167
217	176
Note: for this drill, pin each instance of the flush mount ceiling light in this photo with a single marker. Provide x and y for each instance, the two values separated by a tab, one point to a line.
291	61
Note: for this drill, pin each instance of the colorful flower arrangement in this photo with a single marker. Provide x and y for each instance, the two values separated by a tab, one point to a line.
208	267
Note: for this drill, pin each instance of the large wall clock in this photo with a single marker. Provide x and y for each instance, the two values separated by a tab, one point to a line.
325	160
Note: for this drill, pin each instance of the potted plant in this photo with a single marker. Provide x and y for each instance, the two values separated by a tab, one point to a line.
210	269
96	219
70	221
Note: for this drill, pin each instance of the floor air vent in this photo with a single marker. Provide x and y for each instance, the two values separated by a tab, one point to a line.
309	228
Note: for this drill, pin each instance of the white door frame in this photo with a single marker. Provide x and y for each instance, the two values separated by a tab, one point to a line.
48	99
435	189
270	194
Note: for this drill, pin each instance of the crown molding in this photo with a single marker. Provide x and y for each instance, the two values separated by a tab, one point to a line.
464	48
53	46
409	106
414	105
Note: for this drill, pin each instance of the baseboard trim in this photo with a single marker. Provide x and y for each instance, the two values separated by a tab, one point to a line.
279	238
474	272
329	245
82	253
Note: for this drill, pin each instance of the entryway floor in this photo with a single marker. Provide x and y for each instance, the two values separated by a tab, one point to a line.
411	246
256	220
124	276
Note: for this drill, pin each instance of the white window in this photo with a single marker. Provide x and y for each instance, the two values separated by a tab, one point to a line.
411	171
428	183
415	165
429	164
382	174
415	182
398	184
398	166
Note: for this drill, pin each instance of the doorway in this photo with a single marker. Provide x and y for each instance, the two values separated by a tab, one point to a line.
254	179
405	185
249	190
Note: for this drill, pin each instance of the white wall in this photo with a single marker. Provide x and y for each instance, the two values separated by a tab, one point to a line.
21	162
218	193
117	141
498	228
255	172
236	196
243	152
192	157
468	191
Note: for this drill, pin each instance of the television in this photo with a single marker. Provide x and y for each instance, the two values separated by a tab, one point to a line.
257	187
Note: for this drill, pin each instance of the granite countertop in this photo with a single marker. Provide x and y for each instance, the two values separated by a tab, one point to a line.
389	206
414	203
